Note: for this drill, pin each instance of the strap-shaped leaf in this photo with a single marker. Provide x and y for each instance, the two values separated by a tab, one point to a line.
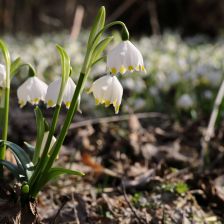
30	149
16	64
97	25
15	170
65	61
40	134
57	171
1	113
100	48
19	153
46	125
5	51
65	64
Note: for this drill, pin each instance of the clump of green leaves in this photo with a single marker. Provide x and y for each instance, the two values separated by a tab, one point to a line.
136	198
35	166
179	187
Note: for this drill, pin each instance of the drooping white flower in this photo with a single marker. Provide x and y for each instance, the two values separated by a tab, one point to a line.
107	90
2	76
125	57
32	90
53	140
185	102
54	89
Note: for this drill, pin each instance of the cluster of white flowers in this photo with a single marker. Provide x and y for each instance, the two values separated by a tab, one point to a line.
123	58
171	62
106	90
34	90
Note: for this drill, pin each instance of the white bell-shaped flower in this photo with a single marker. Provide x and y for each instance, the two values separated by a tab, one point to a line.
54	89
32	90
125	57
2	76
107	90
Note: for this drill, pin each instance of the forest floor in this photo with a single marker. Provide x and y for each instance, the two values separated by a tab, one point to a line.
141	168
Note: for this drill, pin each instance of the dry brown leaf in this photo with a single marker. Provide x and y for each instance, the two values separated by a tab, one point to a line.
89	161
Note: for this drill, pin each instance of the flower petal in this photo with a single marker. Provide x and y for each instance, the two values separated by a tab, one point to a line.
52	93
125	57
108	90
32	90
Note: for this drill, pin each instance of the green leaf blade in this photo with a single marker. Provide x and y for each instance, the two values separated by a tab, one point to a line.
57	171
40	124
15	170
98	25
100	48
65	64
15	66
19	153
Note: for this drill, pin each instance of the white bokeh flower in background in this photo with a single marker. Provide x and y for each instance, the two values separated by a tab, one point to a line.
185	102
32	90
125	57
107	90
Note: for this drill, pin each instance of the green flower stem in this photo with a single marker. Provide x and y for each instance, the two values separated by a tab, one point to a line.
44	156
52	130
5	127
66	69
70	114
98	24
91	49
125	35
92	44
6	56
98	60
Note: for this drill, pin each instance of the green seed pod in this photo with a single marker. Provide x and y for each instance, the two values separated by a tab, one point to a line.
25	188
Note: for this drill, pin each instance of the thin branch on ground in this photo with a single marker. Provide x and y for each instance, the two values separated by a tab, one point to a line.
210	129
130	205
59	210
116	119
209	133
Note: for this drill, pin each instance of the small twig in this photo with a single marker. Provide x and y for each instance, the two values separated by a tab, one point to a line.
122	8
75	210
209	133
109	205
77	22
177	173
81	209
116	119
130	205
210	129
153	17
59	210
